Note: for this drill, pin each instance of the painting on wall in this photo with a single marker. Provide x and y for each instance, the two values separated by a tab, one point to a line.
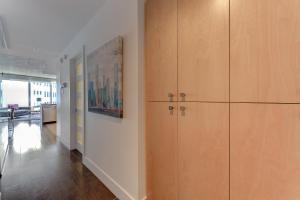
105	79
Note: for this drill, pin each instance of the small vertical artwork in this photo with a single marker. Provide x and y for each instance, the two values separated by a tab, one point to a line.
105	79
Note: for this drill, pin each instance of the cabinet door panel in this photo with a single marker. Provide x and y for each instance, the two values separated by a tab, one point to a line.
161	142
161	49
265	152
203	50
203	130
265	38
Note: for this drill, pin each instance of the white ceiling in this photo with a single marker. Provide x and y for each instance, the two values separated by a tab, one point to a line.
45	26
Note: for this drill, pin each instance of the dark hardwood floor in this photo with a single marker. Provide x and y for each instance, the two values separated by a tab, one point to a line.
39	168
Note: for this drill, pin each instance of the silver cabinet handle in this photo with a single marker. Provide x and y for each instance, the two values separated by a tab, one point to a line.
171	95
182	109
171	108
182	95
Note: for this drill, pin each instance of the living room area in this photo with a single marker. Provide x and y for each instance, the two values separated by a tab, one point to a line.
22	99
26	104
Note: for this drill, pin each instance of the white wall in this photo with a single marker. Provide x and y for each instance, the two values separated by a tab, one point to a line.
113	147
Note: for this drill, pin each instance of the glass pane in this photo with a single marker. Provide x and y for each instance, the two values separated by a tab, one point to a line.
40	93
14	92
54	91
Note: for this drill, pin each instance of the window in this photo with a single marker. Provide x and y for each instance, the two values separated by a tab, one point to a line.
14	92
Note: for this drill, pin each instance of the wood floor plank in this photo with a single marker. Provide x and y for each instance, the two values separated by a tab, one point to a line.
38	168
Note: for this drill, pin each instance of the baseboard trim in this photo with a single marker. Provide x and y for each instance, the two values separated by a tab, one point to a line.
67	146
108	181
79	148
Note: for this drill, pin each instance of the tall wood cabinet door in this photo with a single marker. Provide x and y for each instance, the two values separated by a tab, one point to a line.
265	49
265	152
161	142
161	50
203	50
203	130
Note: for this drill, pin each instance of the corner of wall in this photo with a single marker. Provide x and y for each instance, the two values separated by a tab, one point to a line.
141	139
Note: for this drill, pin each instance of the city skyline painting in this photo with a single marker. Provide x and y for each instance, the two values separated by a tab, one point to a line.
105	79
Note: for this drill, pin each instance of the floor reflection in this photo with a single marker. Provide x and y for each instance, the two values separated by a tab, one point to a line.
3	141
38	167
27	137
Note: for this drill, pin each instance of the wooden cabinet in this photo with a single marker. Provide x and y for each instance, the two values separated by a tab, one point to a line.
196	33
190	146
265	38
161	137
161	50
265	152
202	149
203	132
203	50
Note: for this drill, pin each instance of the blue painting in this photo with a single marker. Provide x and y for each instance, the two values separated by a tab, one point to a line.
105	75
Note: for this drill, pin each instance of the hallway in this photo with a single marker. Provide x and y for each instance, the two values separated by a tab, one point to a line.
39	168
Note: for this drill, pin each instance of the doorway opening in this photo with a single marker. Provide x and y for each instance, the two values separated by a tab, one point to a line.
77	101
23	100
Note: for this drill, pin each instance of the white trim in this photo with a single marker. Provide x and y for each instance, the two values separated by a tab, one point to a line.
79	147
107	180
85	94
67	146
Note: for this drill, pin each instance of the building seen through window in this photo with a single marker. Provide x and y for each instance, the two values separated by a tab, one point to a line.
46	93
27	93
